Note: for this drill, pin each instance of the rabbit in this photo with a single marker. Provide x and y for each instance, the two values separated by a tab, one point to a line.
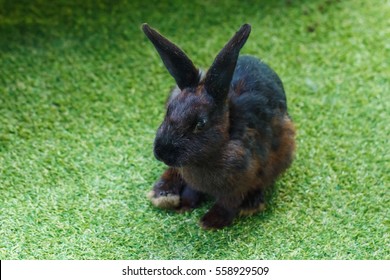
226	133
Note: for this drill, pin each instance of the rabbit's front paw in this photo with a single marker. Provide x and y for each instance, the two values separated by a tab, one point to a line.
166	191
163	199
217	217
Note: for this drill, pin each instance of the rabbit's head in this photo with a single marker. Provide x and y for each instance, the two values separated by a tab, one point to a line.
196	124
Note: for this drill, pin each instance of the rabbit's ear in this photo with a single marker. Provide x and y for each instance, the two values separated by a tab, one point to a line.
219	76
175	60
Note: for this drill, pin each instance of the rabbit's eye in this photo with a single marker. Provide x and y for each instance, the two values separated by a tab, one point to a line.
200	125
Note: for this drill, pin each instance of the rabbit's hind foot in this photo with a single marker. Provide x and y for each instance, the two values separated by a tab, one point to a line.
253	203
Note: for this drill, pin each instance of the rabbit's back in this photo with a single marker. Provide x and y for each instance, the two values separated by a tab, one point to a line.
254	77
257	97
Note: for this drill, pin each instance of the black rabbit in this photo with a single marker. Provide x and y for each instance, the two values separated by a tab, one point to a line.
226	132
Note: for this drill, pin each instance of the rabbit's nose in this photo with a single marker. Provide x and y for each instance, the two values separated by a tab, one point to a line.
165	151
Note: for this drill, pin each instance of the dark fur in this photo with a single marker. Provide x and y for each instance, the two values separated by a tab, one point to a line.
228	135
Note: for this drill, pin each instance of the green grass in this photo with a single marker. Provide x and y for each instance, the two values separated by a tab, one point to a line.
82	93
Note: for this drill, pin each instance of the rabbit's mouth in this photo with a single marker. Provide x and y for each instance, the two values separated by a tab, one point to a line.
170	161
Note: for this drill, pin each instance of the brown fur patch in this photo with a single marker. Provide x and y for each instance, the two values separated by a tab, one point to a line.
250	212
239	88
281	155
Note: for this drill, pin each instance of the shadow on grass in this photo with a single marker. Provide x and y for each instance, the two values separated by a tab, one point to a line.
34	23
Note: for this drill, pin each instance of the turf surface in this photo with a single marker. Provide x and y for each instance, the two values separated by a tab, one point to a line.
82	93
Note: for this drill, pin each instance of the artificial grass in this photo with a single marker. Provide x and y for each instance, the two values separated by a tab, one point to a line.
82	92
